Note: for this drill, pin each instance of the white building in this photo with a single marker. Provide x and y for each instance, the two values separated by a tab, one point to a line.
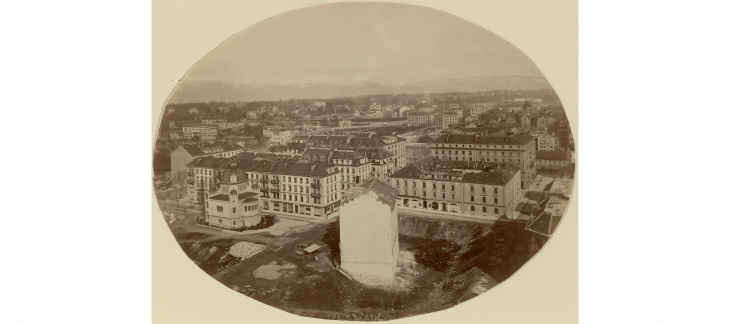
235	204
448	118
206	132
546	142
369	233
281	137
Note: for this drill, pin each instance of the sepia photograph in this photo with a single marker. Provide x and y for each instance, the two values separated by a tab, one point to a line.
363	161
333	161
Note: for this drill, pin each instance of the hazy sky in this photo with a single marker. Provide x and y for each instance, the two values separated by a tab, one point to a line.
361	42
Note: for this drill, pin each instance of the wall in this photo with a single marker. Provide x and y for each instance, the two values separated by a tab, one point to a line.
368	239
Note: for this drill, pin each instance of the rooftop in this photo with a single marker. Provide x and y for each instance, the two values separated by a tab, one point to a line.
553	155
487	173
386	193
519	139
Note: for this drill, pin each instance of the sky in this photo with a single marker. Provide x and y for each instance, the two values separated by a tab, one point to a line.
357	42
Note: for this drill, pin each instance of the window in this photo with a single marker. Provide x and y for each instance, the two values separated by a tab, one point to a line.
472	198
496	210
484	210
472	208
484	200
495	200
220	221
234	209
234	222
495	191
452	196
219	208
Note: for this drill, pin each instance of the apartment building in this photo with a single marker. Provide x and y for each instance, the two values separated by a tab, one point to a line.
448	118
206	132
546	142
287	188
420	119
461	188
513	149
354	141
184	154
547	160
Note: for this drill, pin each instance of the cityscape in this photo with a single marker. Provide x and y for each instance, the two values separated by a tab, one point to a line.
257	195
370	174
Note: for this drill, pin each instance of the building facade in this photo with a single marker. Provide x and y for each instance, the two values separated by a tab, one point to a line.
369	234
184	154
287	188
516	149
235	203
546	142
206	132
420	119
465	189
448	118
547	160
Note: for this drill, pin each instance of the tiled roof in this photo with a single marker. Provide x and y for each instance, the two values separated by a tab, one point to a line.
492	173
520	139
552	155
207	162
220	197
258	164
193	150
496	177
240	175
375	153
245	195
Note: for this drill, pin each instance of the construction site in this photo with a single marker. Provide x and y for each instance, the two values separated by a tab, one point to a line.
441	263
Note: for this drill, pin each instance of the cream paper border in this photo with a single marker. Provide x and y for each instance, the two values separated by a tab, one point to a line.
545	290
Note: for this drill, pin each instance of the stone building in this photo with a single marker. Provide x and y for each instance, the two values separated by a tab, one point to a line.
235	204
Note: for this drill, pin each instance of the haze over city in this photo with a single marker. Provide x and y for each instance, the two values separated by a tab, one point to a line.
337	51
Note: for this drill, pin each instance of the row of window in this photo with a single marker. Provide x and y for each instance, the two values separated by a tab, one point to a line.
456	152
478	146
495	190
453	196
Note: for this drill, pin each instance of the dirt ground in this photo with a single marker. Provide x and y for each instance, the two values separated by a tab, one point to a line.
435	277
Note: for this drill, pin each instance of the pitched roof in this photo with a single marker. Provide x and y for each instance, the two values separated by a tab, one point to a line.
490	173
495	177
193	150
220	197
519	139
386	194
246	195
552	155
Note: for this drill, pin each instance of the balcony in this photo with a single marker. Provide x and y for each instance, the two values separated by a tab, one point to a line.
316	195
275	181
316	185
274	189
264	180
191	181
190	172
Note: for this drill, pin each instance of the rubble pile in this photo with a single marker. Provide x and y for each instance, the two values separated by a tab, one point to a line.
246	250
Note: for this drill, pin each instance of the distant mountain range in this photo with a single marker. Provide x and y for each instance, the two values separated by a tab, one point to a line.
204	91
